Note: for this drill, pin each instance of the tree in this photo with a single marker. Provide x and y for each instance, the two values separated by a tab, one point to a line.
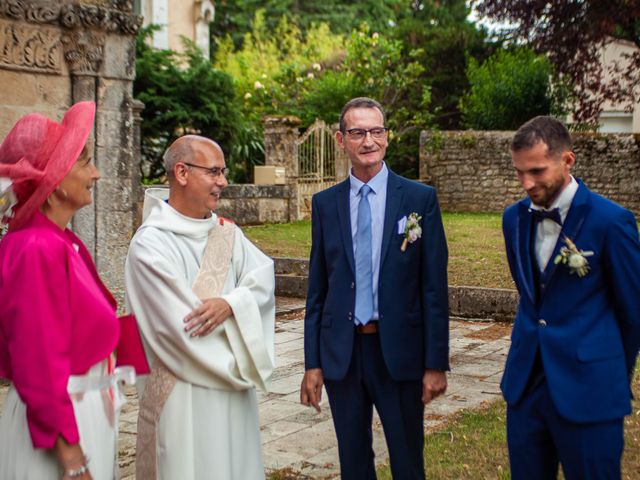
507	90
446	40
182	94
303	81
572	33
235	17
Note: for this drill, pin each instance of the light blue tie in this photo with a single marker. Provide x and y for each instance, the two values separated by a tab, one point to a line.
364	273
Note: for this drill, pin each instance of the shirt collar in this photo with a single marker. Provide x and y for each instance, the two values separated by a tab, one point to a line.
563	201
377	183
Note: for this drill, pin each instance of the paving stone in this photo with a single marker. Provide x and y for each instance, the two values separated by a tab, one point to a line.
287	336
276	430
296	437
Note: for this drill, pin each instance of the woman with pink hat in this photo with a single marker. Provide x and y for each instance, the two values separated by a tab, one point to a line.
58	324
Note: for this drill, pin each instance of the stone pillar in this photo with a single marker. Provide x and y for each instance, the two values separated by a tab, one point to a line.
116	157
281	149
138	191
83	52
342	161
424	170
57	53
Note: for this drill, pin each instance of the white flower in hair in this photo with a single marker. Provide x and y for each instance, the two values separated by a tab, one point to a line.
7	198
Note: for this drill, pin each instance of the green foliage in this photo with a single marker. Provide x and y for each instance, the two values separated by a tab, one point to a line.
314	75
271	75
234	18
182	94
446	40
508	89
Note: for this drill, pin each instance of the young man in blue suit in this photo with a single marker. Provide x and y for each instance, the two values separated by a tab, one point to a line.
575	259
376	324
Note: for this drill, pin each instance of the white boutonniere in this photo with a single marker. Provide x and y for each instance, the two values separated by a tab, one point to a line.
575	259
410	228
7	198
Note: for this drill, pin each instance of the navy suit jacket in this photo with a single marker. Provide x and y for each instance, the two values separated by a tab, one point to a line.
586	328
412	289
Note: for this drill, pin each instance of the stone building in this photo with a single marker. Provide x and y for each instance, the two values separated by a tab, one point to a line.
54	53
177	19
617	117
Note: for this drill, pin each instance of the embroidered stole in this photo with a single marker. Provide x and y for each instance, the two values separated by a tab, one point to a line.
209	282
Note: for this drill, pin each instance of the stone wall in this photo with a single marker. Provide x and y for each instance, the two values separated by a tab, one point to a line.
472	170
246	204
255	204
54	53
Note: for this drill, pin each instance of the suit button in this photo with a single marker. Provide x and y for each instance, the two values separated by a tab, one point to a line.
353	285
542	286
350	315
542	323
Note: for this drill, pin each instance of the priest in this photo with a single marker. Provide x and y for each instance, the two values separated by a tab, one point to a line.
203	296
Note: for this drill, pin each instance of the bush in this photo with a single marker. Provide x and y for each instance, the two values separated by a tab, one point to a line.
508	89
314	75
182	94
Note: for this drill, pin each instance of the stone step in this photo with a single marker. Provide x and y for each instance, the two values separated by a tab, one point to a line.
496	304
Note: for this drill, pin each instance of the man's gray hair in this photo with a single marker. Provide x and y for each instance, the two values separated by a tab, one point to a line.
360	102
177	151
544	129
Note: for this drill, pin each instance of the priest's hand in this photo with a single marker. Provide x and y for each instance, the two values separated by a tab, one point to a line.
311	388
206	317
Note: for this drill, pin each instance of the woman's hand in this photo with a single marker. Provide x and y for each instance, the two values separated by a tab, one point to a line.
71	460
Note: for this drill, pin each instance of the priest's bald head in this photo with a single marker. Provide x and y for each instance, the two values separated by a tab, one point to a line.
197	174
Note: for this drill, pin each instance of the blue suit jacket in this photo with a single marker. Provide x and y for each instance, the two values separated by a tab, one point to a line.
412	289
591	331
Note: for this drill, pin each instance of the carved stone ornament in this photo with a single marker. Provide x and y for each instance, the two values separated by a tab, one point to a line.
26	47
109	15
83	51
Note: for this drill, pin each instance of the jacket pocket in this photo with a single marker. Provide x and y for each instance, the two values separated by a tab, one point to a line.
593	353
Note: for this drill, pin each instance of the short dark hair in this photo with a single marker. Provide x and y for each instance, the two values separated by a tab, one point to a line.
360	102
544	129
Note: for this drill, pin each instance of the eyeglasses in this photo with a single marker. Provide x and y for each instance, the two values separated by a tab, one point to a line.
360	133
213	171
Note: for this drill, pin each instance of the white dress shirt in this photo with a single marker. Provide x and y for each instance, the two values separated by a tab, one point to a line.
548	231
377	201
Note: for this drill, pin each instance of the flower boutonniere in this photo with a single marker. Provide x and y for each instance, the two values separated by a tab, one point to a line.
7	198
411	229
575	259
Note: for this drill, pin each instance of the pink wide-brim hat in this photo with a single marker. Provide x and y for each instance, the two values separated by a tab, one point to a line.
38	153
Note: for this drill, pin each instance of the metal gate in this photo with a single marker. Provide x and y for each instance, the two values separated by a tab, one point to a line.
318	154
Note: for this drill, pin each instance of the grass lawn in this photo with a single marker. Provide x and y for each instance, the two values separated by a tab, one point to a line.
473	445
476	250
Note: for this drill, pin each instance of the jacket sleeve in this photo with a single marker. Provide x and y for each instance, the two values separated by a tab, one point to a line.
435	289
317	291
36	314
622	261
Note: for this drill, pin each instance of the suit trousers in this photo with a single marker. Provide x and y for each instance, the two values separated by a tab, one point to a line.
539	438
399	405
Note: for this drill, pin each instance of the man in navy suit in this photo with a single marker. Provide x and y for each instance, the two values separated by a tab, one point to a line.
376	325
575	259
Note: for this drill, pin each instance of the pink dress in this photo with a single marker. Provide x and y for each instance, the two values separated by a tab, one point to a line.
58	326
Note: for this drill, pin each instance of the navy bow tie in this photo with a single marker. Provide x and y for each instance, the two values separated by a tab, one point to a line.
553	214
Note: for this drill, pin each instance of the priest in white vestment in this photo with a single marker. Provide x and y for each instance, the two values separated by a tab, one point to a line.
203	296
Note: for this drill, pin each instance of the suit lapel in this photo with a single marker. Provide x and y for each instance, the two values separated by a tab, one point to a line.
570	228
523	245
394	198
344	220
